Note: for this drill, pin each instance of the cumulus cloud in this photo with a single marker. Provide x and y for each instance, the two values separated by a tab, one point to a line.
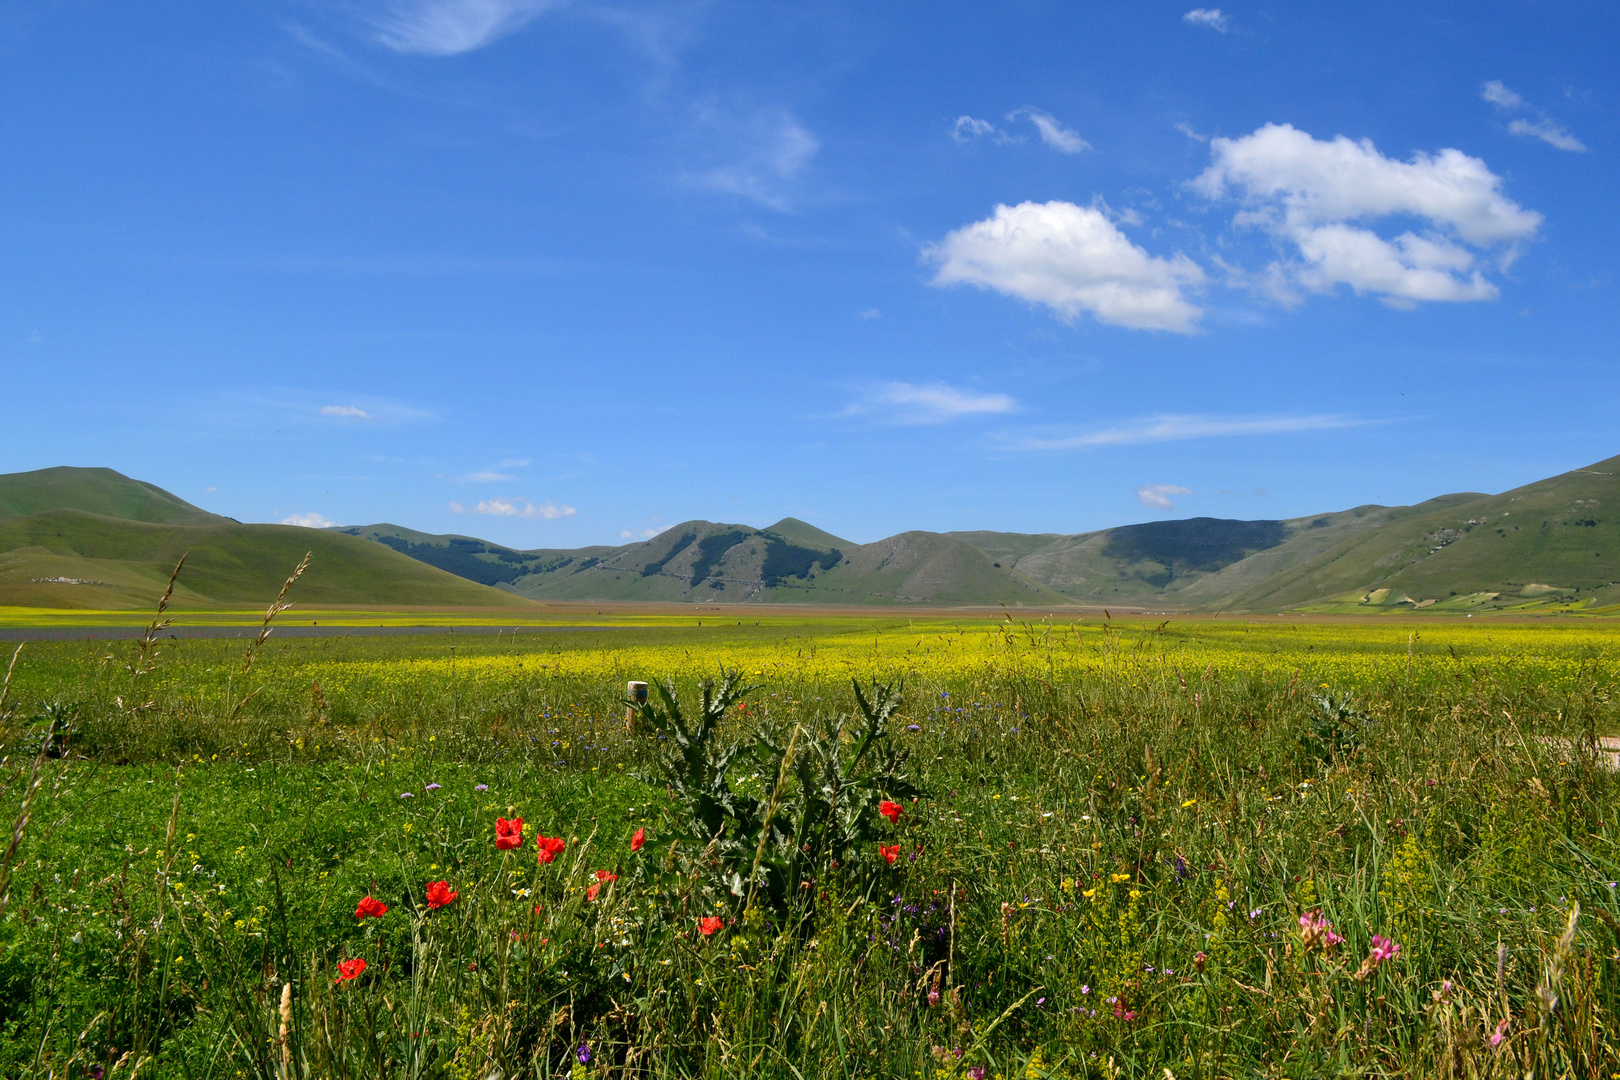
1210	17
1319	195
1158	495
308	521
761	152
450	27
1053	134
519	508
1074	260
1179	428
347	412
1540	126
926	403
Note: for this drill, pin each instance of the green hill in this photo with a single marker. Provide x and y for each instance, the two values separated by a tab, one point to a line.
93	491
119	553
1462	552
96	539
1554	540
802	532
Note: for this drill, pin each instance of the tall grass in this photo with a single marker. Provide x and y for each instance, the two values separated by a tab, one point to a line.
1104	874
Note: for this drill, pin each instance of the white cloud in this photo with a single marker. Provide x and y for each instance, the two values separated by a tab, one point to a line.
1158	495
1548	132
1179	428
640	534
347	412
764	151
1210	17
308	521
1074	260
967	128
1541	127
520	508
870	313
1319	194
926	403
495	475
451	27
1053	133
1500	96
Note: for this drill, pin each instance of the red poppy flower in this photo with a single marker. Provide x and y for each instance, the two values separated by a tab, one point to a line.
709	924
890	852
508	834
638	839
890	810
350	969
606	875
370	906
439	894
549	847
590	893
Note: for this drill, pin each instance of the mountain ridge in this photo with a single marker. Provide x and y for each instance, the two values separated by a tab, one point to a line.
95	538
1317	561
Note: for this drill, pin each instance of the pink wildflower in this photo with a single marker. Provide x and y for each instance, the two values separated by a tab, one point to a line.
1316	931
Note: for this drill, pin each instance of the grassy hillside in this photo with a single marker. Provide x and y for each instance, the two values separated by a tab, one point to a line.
93	491
112	563
1555	539
802	532
93	538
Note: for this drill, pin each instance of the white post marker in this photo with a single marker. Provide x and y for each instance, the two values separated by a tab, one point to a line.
636	692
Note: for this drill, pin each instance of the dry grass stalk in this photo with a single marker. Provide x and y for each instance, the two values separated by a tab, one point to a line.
5	687
146	647
286	1027
20	825
277	606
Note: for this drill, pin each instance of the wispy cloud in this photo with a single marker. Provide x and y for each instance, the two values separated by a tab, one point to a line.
451	27
1158	495
518	508
1064	140
495	474
968	128
760	153
1178	428
347	412
926	403
1540	126
308	521
1213	18
1054	134
640	534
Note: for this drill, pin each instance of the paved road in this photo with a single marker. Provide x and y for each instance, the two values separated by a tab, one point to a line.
126	633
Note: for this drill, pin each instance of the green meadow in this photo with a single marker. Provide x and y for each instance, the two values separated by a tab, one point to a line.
1020	850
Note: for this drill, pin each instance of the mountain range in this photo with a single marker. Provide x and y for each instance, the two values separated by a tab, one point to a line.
93	538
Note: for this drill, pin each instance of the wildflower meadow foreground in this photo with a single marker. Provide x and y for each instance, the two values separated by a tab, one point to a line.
959	851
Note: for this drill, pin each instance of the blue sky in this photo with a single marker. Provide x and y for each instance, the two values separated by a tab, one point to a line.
559	273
